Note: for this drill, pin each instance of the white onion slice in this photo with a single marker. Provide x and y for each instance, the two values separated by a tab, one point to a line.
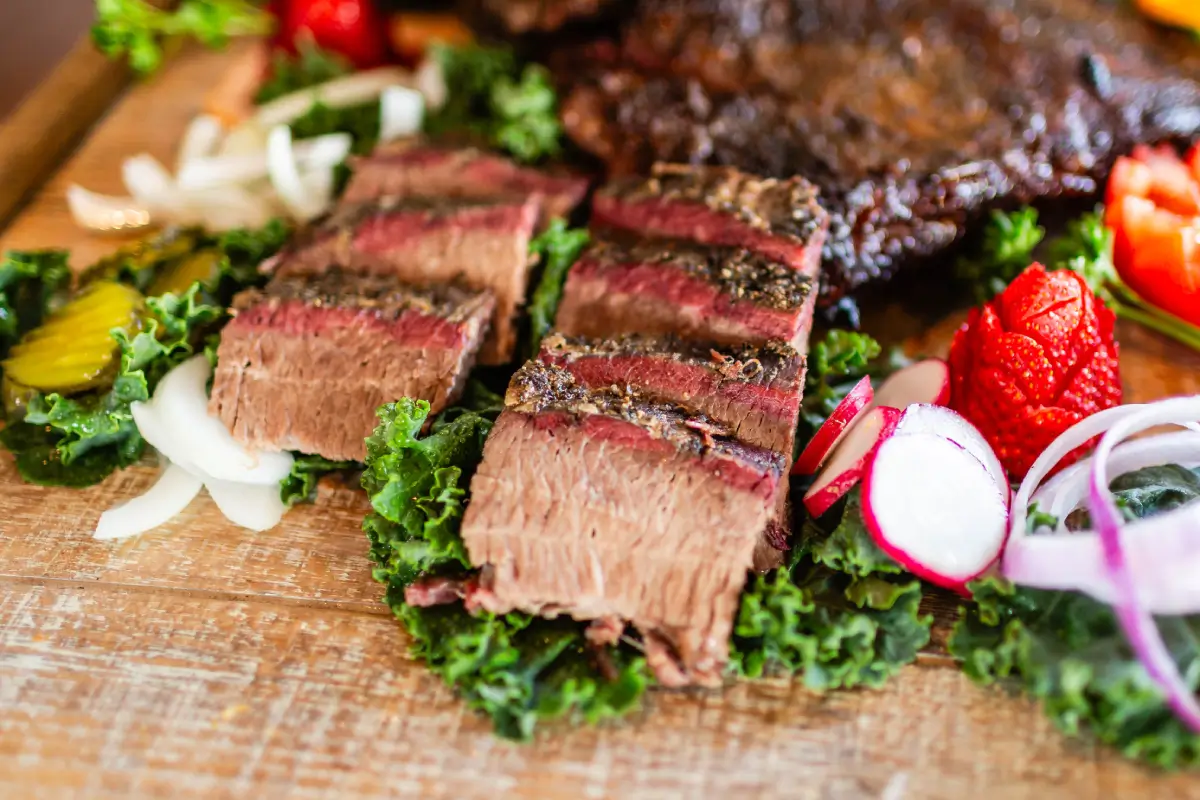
104	213
150	183
1180	530
169	495
223	208
351	90
317	153
401	113
297	196
200	140
247	138
186	434
431	82
258	508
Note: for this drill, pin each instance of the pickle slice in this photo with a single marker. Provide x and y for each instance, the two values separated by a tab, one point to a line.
203	266
74	349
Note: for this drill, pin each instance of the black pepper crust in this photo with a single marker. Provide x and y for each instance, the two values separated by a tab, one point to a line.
736	271
781	207
767	364
538	387
381	294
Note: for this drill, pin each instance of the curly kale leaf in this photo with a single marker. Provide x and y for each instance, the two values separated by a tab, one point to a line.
300	485
1009	240
557	249
31	281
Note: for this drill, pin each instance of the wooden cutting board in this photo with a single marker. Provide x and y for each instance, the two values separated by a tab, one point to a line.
206	661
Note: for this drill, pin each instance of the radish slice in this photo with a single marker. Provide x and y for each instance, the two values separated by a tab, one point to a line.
169	495
926	381
935	508
949	424
352	90
401	113
200	140
258	508
180	427
849	462
853	406
105	214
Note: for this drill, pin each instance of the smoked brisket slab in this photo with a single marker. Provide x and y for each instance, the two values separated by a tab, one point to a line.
424	170
484	243
306	361
713	293
602	505
913	116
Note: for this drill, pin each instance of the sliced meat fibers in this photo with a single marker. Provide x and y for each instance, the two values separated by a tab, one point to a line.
424	170
305	362
600	504
482	243
719	293
778	219
754	391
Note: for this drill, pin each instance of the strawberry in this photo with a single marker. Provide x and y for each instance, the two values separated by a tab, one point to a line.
1030	364
353	29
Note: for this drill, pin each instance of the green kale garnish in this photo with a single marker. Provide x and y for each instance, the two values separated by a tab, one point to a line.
556	249
1068	650
841	614
300	486
1009	240
490	95
79	440
516	669
137	29
312	66
30	282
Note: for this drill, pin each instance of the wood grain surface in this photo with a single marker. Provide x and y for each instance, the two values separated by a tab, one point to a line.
207	661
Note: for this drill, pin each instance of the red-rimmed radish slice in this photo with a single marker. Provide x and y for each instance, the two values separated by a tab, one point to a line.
935	508
926	381
949	424
849	462
853	406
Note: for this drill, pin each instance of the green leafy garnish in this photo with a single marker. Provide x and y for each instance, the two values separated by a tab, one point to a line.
300	486
835	364
516	669
557	249
1009	240
311	67
1068	650
137	29
77	441
841	614
30	282
490	96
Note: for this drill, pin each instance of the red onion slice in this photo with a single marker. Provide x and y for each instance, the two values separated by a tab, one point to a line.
1137	622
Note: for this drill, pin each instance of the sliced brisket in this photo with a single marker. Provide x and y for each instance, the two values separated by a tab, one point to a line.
913	116
424	170
777	219
525	16
305	362
482	243
601	504
658	287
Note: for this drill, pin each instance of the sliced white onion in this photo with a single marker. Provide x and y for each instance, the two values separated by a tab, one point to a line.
105	213
431	82
249	137
200	140
258	508
401	113
169	495
352	90
1179	531
150	184
223	208
181	429
294	193
321	152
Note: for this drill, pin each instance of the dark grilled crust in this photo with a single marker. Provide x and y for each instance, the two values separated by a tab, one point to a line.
738	272
538	388
780	207
766	365
382	294
914	117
